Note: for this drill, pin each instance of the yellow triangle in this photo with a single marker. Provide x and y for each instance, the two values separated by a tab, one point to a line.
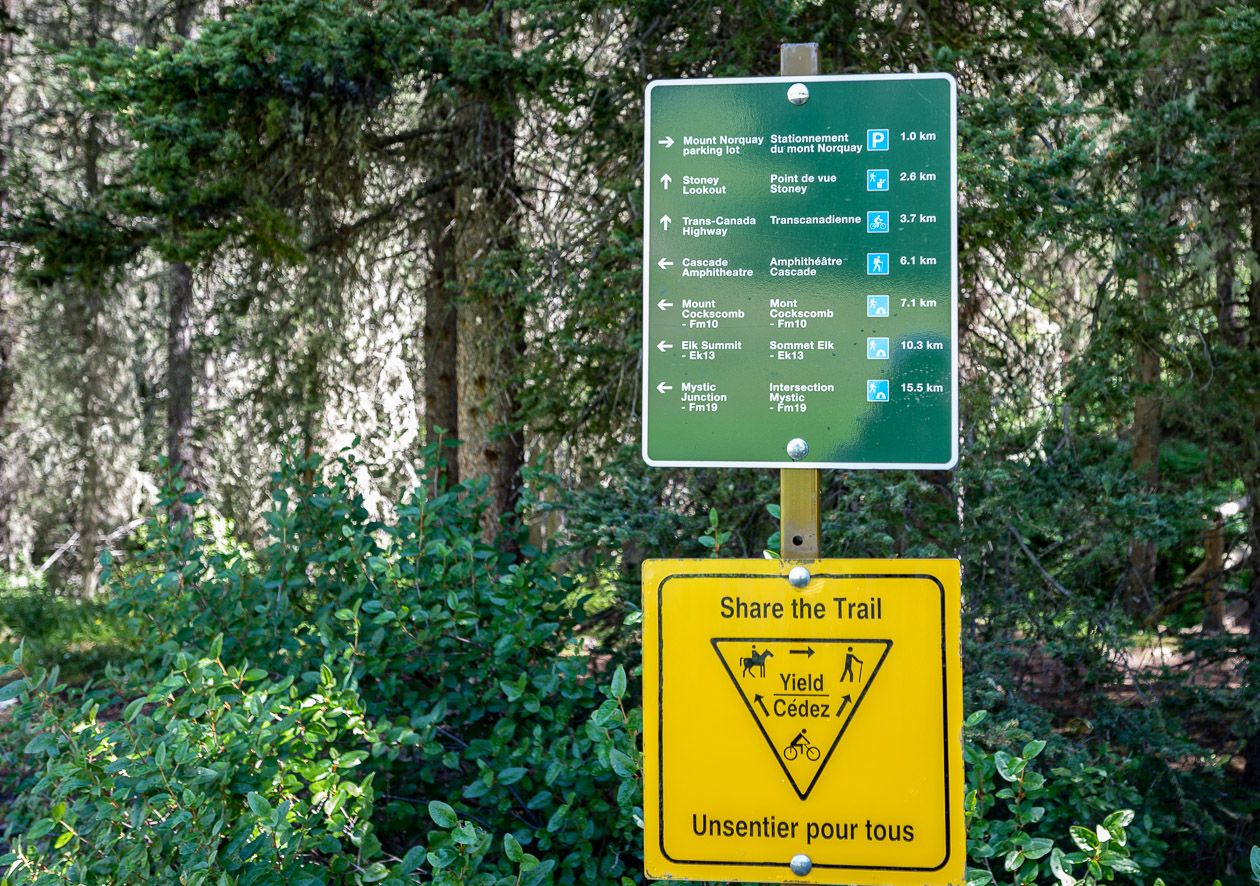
802	694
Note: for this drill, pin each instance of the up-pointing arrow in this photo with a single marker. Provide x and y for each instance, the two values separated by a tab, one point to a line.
662	387
663	346
665	180
665	222
664	263
666	141
664	305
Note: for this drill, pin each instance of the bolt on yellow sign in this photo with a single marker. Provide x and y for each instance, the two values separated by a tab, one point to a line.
804	734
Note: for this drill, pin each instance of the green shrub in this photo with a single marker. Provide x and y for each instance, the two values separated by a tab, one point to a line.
460	679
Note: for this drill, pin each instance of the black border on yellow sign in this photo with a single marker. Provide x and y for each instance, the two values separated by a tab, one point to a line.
660	721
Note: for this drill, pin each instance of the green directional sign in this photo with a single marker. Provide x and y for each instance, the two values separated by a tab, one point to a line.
800	272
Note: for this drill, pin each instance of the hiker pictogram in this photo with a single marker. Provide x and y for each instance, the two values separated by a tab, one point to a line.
849	660
802	694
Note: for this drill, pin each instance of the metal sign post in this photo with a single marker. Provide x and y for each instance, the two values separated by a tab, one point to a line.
800	517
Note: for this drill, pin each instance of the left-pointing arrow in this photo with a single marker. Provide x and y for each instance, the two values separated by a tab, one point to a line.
666	141
664	305
664	263
663	346
662	387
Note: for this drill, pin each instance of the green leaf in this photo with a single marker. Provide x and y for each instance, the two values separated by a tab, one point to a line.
512	849
12	689
1038	847
40	743
412	860
621	763
1083	838
1255	863
1032	749
442	814
1119	819
1058	868
1008	767
258	804
39	829
512	774
619	683
978	877
375	873
1121	863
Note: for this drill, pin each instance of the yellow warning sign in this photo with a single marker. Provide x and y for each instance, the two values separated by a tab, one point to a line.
805	734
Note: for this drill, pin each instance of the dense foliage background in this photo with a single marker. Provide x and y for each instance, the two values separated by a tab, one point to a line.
263	263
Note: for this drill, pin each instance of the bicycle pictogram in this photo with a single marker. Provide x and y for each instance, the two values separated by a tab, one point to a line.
801	745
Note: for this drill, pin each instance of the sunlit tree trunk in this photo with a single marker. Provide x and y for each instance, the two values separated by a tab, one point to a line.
490	315
90	332
8	325
180	377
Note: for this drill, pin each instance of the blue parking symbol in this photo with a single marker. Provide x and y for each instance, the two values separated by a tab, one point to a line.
877	139
877	179
877	264
877	222
877	349
877	390
877	306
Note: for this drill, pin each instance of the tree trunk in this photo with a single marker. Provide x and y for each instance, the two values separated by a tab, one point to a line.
1147	411
490	326
180	378
1251	688
1214	576
1251	683
8	327
90	518
441	336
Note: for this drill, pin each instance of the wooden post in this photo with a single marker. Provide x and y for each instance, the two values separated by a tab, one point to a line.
799	523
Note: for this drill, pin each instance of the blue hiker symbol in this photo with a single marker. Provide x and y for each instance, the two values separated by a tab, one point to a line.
849	659
755	660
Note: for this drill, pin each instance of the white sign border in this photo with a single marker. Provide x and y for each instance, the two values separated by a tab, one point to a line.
647	252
